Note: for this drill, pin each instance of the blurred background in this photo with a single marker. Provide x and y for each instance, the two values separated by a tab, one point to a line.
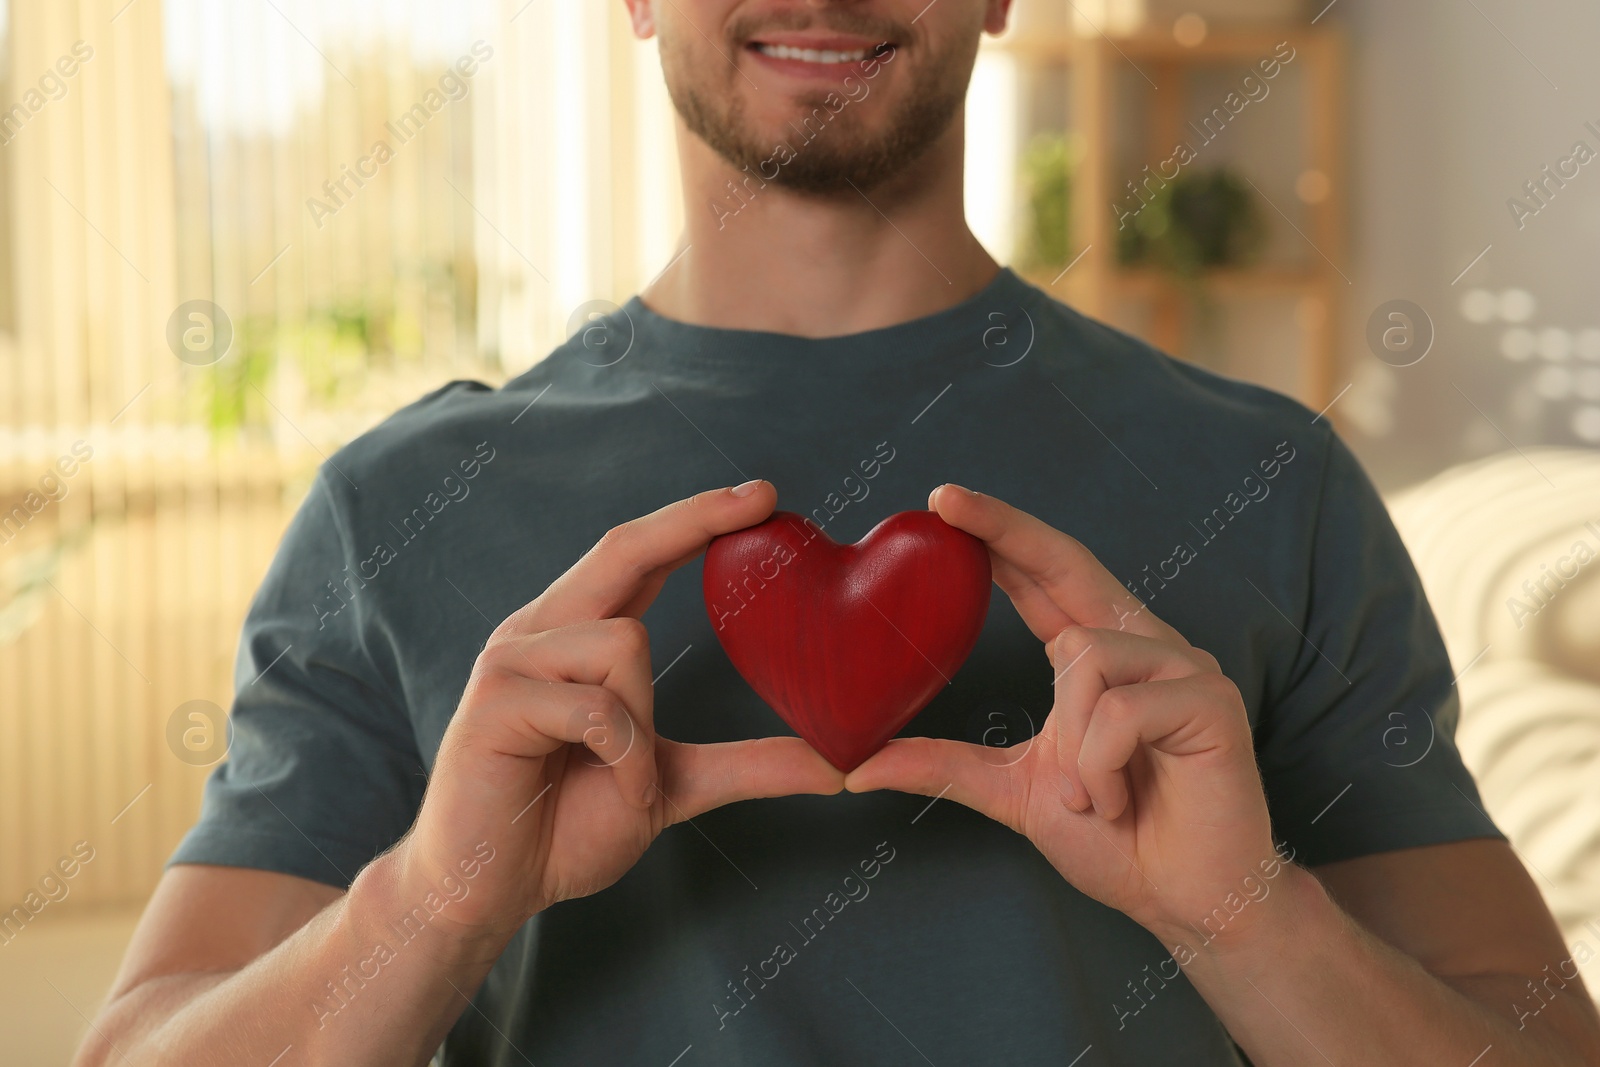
234	234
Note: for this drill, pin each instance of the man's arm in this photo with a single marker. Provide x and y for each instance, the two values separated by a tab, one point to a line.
233	965
1444	954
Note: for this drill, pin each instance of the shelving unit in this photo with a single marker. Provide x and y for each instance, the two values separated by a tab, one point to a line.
1099	285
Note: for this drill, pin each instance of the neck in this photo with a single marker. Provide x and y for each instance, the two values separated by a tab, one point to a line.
767	258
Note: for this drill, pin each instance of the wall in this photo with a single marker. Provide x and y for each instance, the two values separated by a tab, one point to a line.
1450	116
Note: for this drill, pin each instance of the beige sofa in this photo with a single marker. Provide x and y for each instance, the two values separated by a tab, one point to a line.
1509	550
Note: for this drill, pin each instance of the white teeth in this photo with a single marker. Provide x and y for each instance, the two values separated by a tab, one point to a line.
811	55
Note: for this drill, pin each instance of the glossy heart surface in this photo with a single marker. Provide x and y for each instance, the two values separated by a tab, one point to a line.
847	642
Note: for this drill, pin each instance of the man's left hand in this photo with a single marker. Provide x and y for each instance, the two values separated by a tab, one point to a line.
1141	788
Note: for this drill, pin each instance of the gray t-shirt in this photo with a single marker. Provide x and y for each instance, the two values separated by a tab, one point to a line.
876	928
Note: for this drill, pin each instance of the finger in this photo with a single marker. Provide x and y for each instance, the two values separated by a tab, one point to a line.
521	716
698	778
965	773
1169	714
614	653
1040	556
1038	611
624	571
1090	662
620	742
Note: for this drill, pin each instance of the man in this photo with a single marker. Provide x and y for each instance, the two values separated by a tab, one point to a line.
1193	797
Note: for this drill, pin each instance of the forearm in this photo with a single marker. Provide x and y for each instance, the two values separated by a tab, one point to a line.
364	982
1302	982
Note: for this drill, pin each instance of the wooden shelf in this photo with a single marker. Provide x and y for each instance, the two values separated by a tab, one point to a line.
1152	283
1243	44
1248	281
1098	285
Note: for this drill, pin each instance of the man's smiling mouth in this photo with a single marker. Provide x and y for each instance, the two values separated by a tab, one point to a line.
813	55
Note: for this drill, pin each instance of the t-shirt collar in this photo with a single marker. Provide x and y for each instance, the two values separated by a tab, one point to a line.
667	343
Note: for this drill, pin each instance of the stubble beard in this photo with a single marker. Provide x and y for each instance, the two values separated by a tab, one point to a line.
842	153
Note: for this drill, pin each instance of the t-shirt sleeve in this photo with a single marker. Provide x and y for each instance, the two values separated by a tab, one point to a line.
322	771
1357	748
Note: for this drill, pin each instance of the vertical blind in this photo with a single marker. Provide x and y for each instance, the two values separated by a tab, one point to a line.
373	198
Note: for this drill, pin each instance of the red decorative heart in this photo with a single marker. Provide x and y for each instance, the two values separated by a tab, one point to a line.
847	642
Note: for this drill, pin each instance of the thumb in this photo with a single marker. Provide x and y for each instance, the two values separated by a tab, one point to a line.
976	776
698	778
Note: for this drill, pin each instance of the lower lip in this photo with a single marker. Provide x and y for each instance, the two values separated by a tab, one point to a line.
799	68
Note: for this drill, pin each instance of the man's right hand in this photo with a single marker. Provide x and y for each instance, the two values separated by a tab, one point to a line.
552	757
547	761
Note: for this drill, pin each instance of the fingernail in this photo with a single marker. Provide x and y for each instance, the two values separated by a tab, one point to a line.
650	793
1067	792
747	488
963	490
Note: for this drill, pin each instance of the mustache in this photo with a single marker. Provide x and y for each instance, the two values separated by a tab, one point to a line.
745	28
